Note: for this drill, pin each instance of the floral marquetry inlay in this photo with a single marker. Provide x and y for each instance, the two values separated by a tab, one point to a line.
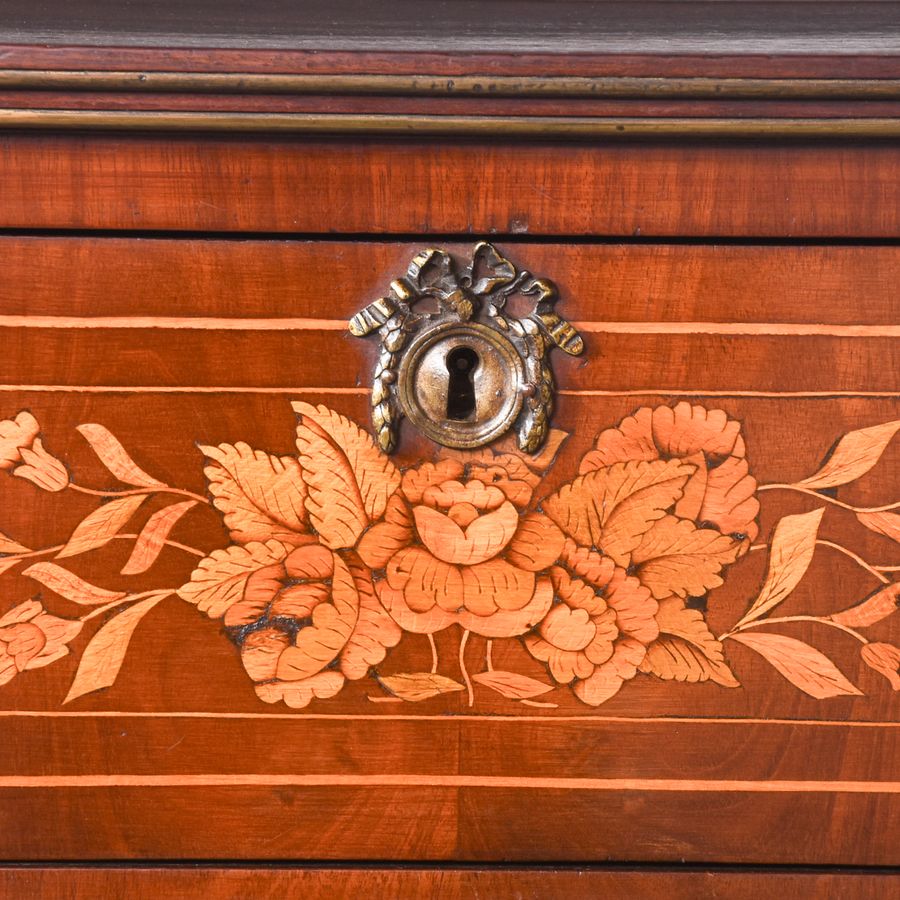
337	554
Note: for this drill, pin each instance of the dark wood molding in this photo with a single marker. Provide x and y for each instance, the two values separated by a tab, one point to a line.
435	84
513	26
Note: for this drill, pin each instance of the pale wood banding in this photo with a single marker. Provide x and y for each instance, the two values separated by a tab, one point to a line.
210	323
451	781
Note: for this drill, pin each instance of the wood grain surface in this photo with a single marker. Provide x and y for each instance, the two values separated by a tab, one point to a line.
781	190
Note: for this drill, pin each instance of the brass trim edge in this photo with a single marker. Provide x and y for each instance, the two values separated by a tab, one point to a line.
486	86
537	127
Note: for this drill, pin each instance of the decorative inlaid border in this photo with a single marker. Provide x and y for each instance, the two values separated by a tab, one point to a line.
337	554
412	780
218	323
444	717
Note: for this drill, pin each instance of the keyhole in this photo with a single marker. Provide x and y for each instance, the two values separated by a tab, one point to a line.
461	364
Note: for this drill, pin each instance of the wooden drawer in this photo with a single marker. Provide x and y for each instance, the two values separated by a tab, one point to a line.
736	362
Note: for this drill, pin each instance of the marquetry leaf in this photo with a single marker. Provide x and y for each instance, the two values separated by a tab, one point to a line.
114	456
261	496
856	452
540	461
8	563
70	586
804	666
102	658
375	630
792	549
336	505
417	686
153	537
878	606
8	545
676	557
375	475
686	649
317	645
886	523
512	685
613	508
220	578
102	525
675	659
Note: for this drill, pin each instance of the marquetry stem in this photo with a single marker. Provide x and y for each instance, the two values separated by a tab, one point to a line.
44	551
778	620
130	598
156	489
463	670
873	570
434	654
833	500
488	656
856	558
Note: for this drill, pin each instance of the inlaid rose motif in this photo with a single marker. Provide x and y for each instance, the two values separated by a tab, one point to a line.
597	632
457	547
305	617
666	496
720	492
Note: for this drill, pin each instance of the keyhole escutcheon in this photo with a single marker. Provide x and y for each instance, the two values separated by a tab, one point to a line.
462	363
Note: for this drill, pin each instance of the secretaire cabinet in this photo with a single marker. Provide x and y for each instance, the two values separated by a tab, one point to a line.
450	450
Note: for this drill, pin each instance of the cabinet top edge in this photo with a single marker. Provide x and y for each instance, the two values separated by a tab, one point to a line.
512	26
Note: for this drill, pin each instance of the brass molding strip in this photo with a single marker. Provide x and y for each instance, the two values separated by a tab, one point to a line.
535	127
462	85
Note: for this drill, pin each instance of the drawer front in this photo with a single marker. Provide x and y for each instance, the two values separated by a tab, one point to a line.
670	631
312	185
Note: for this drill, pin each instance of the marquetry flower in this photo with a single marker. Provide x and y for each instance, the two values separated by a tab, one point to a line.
31	638
305	622
597	631
883	658
720	493
23	454
15	435
456	546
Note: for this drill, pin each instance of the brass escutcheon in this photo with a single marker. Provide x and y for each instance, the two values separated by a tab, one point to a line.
424	380
466	372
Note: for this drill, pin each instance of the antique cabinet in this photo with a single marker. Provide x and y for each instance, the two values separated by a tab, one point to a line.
634	632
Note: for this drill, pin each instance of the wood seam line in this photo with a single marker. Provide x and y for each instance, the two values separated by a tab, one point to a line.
536	127
310	324
682	785
363	391
448	719
482	86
